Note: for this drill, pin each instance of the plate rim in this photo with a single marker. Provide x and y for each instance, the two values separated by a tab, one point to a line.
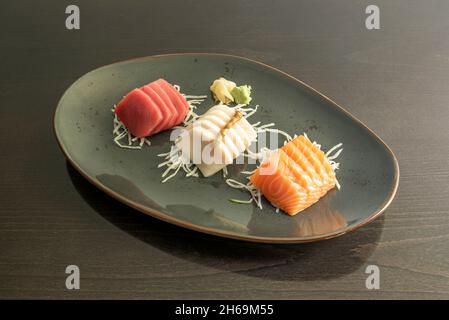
223	233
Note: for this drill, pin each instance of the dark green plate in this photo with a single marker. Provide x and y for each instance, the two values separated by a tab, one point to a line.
369	173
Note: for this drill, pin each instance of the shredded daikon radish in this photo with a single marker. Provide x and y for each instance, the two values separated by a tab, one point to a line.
331	157
189	96
120	133
285	134
337	184
251	111
248	111
333	149
174	162
190	117
225	172
335	155
241	201
254	192
262	155
248	172
260	128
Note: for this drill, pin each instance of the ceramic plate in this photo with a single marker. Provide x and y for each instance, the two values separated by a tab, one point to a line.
368	175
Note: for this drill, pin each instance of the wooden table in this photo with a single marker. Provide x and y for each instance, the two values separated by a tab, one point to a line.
395	79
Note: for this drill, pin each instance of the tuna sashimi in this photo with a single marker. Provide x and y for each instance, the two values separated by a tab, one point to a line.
138	113
168	103
152	108
168	116
178	99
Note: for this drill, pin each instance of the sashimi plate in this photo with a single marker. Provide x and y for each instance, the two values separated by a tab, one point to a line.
368	173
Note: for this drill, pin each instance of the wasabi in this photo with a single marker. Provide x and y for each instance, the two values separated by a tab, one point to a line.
242	94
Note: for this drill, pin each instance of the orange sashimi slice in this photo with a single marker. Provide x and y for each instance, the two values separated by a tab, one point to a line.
299	175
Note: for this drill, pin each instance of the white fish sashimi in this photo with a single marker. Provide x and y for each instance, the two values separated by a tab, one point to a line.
220	139
237	138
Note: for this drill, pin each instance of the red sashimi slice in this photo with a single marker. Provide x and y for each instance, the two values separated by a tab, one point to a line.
178	100
164	96
138	113
167	116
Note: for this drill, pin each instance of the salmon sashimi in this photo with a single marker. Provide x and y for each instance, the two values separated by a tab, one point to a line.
152	108
295	176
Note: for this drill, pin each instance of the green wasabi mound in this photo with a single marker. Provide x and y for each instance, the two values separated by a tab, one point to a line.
242	94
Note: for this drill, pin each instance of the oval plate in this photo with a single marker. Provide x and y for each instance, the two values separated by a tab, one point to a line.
369	172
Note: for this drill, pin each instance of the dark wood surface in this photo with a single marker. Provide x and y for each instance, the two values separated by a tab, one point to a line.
395	79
